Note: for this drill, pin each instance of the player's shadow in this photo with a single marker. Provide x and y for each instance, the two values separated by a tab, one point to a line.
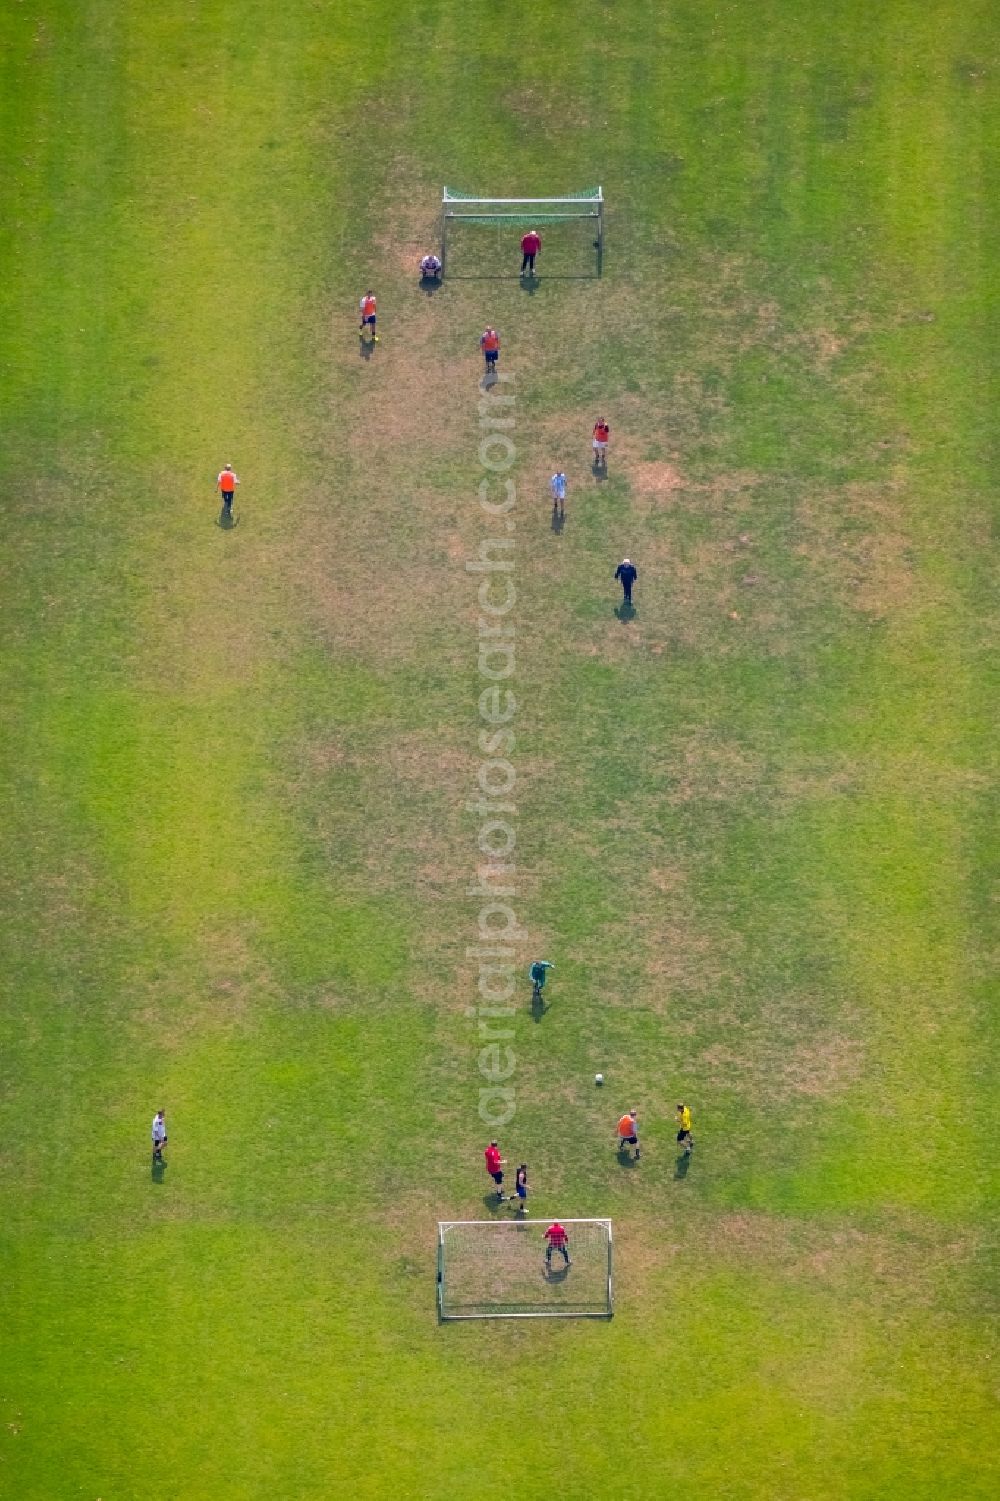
626	1159
539	1006
556	1273
682	1165
490	379
226	520
625	611
430	285
529	283
492	1203
366	348
558	521
157	1171
599	471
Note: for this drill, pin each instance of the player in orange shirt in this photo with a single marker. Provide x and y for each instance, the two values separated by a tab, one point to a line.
628	1134
367	306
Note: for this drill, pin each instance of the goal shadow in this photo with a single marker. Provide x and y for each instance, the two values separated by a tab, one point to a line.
526	281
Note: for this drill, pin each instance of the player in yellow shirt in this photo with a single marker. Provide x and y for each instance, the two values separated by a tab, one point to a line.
684	1137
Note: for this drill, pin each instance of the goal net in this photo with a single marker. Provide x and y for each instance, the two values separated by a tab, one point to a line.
497	1269
481	236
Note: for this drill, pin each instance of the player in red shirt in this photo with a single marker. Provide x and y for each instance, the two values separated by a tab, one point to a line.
494	1166
489	343
531	244
368	307
602	433
557	1240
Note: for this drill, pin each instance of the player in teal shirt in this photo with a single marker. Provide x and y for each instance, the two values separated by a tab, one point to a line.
537	974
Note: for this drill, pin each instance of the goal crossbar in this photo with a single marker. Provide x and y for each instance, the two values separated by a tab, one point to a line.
593	196
516	1224
498	1269
534	218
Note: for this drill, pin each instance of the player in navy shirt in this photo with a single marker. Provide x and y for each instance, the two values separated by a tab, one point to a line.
626	573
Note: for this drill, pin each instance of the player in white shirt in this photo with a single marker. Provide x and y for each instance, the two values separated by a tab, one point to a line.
159	1135
430	267
557	485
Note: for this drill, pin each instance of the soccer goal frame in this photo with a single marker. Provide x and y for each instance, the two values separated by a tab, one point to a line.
594	1301
466	208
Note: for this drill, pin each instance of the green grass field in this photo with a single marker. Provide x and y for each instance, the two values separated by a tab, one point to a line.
755	824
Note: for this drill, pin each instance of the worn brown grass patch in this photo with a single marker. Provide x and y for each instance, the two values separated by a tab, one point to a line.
743	322
233	981
820	1066
657	478
395	801
908	1266
382	588
429	761
713	770
675	948
856	541
656	485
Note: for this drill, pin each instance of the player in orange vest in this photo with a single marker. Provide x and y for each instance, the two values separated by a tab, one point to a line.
628	1134
602	432
226	485
489	343
367	306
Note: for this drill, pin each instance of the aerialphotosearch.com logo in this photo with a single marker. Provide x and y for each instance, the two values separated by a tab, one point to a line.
498	931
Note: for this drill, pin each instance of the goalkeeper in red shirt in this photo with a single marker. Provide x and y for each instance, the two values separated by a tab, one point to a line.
556	1240
531	244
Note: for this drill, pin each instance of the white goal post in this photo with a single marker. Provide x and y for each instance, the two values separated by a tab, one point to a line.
498	1269
466	208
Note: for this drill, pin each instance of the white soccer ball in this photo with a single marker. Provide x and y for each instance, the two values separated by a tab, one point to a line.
598	1078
